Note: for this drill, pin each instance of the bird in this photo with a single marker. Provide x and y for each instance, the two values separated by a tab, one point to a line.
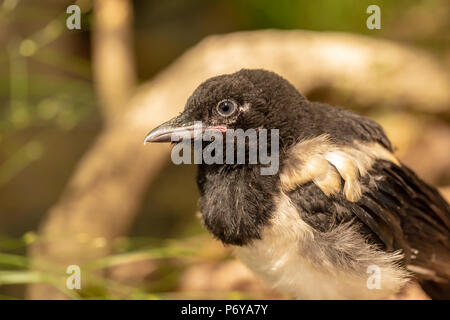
342	218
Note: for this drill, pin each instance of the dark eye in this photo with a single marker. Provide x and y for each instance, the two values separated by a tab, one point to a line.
226	108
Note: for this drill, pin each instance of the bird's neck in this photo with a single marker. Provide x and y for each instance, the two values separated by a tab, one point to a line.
236	201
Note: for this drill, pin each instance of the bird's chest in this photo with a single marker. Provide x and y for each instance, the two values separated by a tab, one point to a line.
276	258
284	257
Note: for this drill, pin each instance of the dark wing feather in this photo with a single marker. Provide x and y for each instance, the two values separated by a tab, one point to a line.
396	211
402	199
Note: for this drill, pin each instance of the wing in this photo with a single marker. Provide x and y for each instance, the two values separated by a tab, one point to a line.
415	215
349	173
392	207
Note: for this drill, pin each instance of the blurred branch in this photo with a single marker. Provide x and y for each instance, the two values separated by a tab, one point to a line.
105	191
112	55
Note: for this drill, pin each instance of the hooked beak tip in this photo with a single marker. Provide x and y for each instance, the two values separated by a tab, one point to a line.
169	133
157	135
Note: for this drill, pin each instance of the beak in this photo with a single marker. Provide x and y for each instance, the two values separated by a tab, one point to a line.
168	133
175	130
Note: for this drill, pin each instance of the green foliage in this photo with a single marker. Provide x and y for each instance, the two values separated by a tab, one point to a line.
171	257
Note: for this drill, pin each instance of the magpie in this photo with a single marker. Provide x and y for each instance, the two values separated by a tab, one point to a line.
342	218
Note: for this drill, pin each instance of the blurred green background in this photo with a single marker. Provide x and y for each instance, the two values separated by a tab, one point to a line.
49	116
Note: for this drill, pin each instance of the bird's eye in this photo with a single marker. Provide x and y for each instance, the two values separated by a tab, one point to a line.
226	108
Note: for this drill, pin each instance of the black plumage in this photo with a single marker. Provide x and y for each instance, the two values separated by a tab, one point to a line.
365	194
236	202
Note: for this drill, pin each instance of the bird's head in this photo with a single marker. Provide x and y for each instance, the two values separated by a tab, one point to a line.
238	200
248	99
